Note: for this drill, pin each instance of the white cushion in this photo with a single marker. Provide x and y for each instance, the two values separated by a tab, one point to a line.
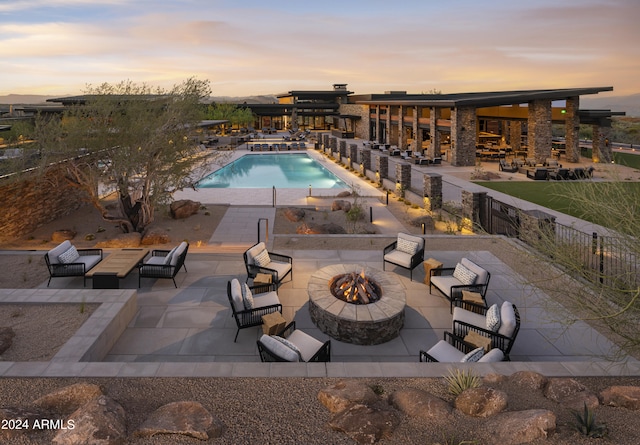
444	283
279	348
265	299
494	355
156	260
446	353
479	271
255	250
473	356
262	259
307	345
167	259
407	246
398	257
507	319
493	318
179	251
281	268
56	251
414	239
69	256
247	296
236	295
89	260
464	275
469	317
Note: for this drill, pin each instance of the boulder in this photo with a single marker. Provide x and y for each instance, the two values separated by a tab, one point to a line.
365	424
340	204
121	241
293	214
345	393
559	388
577	401
420	404
69	398
184	208
481	402
623	396
100	421
517	427
186	418
493	378
528	380
320	229
343	194
62	235
155	235
6	338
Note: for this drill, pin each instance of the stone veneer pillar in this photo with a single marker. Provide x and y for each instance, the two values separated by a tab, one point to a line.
539	130
474	210
463	137
601	145
333	144
377	135
572	129
536	225
366	159
515	135
388	126
342	149
403	176
381	166
416	145
352	153
401	138
434	150
432	191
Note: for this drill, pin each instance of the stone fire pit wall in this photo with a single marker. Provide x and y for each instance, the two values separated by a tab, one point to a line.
360	324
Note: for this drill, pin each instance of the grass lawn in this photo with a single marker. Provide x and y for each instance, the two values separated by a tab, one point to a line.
622	158
553	195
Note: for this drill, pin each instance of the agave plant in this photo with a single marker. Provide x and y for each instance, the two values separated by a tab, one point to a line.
587	425
461	379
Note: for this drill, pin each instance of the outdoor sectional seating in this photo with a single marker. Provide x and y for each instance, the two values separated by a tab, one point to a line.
65	260
264	300
305	347
258	260
407	252
164	263
453	349
467	275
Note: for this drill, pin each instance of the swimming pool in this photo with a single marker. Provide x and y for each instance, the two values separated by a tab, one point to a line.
278	170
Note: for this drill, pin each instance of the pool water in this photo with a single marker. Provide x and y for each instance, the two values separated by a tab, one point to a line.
272	170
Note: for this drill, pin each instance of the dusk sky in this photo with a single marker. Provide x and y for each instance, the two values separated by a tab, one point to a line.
57	47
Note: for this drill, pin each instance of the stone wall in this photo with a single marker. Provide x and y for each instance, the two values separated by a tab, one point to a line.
463	137
33	201
362	125
539	130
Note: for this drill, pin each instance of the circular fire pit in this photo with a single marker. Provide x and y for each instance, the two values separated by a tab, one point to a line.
362	324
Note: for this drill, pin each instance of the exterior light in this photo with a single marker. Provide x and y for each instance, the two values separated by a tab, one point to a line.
309	189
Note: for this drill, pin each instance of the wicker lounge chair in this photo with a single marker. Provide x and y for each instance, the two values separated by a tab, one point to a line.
305	347
264	301
65	260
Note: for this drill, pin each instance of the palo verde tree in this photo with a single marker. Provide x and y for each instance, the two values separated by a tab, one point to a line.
241	116
129	138
596	277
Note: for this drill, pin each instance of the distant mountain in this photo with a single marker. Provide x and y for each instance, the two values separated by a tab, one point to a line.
247	99
31	99
629	104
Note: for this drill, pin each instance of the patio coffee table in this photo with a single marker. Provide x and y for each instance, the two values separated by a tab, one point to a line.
108	272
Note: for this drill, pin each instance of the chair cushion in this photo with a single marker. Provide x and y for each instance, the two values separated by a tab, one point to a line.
265	299
281	268
54	253
507	319
473	356
460	314
400	258
172	252
247	296
446	353
307	345
280	347
236	295
69	256
407	246
495	355
444	283
493	318
262	259
464	275
255	250
482	274
89	260
414	239
179	251
156	260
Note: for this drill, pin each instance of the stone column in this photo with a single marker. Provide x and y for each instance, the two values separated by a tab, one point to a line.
515	135
463	136
601	145
417	133
434	150
342	149
403	177
366	159
381	166
388	120
536	225
401	138
377	135
572	129
352	153
474	210
539	132
432	191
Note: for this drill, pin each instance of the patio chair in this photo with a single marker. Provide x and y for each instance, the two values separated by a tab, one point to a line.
560	174
65	260
507	168
538	173
164	263
407	252
500	324
467	275
258	260
297	347
454	349
250	303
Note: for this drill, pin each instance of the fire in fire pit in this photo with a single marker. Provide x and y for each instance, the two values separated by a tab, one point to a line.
355	288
